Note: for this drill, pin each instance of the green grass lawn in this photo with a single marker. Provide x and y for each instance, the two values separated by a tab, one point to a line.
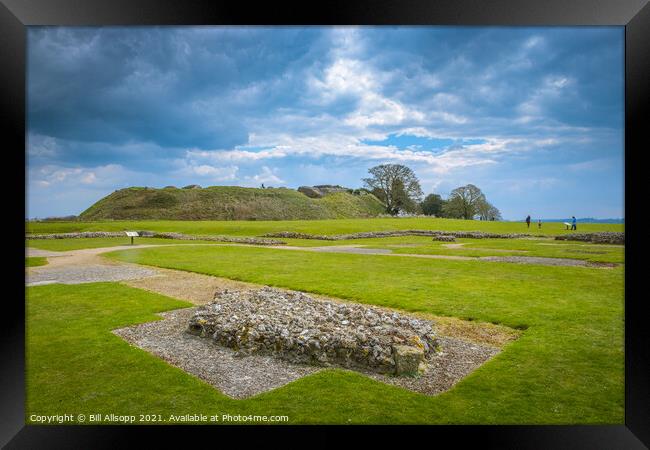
412	244
566	368
34	261
504	247
336	226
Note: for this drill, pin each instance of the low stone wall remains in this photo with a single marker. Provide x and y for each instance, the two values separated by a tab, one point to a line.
83	234
297	327
179	236
603	237
234	239
381	234
444	238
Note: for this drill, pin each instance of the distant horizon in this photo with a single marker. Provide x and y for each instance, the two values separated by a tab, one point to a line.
533	116
522	218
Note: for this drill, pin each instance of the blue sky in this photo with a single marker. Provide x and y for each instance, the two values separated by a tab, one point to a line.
533	116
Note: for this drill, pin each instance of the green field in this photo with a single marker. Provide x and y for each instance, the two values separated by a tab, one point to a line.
566	368
501	247
399	245
35	261
337	226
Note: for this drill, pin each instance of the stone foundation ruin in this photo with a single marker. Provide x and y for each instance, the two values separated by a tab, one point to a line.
602	237
444	238
299	328
398	233
152	234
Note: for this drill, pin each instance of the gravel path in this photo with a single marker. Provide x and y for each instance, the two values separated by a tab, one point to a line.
243	377
350	249
82	266
543	261
457	245
87	274
546	261
30	252
192	287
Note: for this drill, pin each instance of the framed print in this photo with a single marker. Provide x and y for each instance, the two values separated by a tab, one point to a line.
365	213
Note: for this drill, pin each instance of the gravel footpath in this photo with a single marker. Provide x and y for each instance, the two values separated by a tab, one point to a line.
543	261
243	377
30	251
87	274
350	249
546	261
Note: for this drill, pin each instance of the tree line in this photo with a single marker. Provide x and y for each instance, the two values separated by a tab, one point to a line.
399	190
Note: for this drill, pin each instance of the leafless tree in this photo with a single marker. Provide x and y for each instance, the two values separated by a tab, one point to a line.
487	211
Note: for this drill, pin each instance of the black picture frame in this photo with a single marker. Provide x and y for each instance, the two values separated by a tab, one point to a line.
16	15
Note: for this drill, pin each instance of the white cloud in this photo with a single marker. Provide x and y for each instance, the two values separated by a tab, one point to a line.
233	155
52	174
89	178
207	171
267	175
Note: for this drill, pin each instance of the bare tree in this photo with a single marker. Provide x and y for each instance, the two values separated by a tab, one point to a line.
395	185
487	211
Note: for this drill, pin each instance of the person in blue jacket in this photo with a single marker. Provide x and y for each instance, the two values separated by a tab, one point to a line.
573	223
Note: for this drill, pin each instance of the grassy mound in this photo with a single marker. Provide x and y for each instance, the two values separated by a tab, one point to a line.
229	203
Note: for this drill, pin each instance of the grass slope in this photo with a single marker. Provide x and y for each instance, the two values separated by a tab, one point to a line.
566	368
34	261
229	203
256	228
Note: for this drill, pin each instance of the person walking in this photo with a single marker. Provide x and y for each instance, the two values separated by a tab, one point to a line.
574	223
539	224
528	221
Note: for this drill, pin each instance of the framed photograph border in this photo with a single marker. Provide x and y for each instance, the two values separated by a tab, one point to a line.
634	15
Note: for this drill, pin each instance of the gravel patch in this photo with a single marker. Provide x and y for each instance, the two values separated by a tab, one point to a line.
29	252
87	274
457	359
546	261
237	377
241	377
482	249
459	245
351	249
193	287
408	245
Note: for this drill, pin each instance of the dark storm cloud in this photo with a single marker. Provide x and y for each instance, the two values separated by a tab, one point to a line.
110	107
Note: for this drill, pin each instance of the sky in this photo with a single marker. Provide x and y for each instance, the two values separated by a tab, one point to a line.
532	116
